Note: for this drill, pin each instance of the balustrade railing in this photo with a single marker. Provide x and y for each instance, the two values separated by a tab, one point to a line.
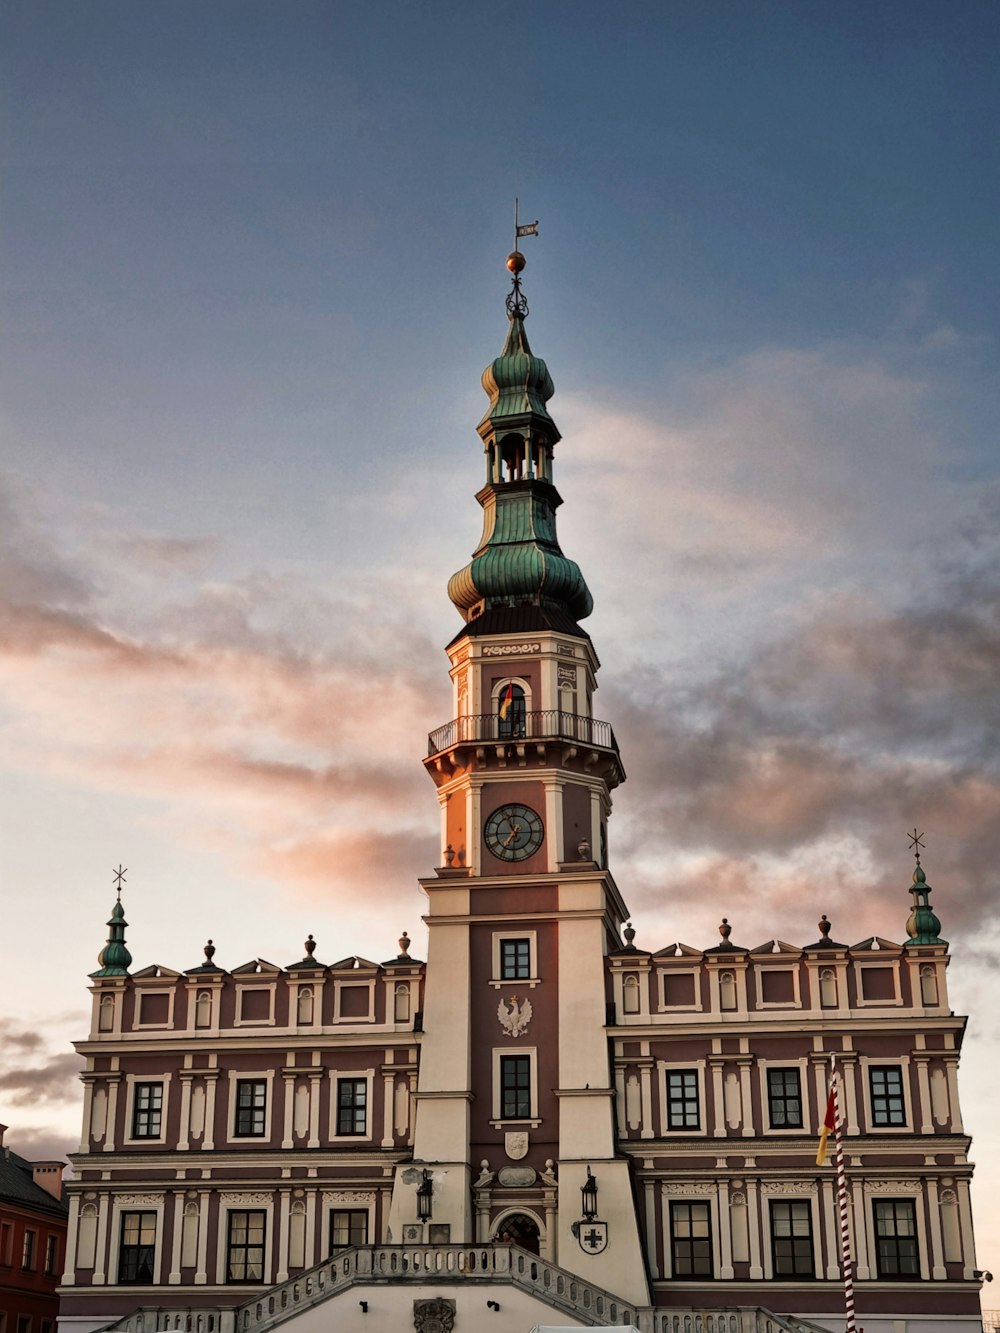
539	724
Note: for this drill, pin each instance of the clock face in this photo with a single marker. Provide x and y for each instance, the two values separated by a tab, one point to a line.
513	832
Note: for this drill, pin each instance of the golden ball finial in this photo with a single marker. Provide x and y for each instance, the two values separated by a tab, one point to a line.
516	261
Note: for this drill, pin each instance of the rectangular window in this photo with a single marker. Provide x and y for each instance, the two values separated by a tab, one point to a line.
515	960
51	1252
690	1240
147	1111
784	1098
251	1107
515	1087
245	1245
28	1250
352	1105
348	1226
896	1238
791	1238
24	1323
6	1243
138	1246
682	1099
886	1085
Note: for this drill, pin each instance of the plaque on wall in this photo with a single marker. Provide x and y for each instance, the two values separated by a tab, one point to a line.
517	1177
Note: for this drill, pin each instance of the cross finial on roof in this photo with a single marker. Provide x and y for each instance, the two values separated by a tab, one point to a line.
119	877
916	843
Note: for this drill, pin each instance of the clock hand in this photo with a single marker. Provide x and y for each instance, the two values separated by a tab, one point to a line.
514	831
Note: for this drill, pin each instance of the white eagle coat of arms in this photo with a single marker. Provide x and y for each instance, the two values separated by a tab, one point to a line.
514	1019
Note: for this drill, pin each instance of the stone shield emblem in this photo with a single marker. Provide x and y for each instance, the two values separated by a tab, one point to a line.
436	1316
592	1237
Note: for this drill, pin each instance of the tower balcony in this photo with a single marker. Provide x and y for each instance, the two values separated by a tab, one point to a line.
583	741
540	724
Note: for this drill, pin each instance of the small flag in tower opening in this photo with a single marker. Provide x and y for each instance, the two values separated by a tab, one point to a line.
508	699
829	1125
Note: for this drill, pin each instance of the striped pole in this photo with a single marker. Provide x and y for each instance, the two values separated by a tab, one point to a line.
846	1258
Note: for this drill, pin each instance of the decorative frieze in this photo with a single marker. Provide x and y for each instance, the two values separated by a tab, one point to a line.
246	1198
510	649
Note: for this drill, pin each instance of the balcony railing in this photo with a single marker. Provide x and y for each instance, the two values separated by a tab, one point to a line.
540	724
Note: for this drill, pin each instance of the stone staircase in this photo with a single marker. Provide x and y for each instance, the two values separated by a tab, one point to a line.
373	1265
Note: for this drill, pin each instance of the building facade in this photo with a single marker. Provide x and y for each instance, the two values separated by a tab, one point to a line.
32	1242
543	1120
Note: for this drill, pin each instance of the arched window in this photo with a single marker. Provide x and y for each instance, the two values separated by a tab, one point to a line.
727	991
828	988
304	1008
203	1009
630	993
401	1003
519	1229
928	984
511	711
106	1014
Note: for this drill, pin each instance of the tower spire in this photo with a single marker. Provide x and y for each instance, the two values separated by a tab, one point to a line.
115	958
923	925
519	562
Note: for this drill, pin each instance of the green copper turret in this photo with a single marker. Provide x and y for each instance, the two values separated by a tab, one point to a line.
114	958
518	561
922	926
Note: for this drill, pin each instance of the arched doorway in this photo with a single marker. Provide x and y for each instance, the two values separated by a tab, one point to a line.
518	1229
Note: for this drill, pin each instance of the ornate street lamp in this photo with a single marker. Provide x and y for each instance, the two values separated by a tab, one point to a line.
425	1192
588	1193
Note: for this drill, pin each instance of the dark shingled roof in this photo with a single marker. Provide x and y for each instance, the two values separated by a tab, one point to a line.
524	619
17	1185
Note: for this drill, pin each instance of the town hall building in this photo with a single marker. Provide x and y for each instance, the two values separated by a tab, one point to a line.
543	1124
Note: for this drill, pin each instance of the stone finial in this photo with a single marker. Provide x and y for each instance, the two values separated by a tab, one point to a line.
824	928
583	849
629	933
310	947
725	930
404	946
209	952
449	855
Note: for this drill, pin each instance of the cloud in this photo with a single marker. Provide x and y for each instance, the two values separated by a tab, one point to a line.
32	1074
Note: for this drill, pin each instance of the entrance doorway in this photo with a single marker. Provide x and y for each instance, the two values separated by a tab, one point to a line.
519	1229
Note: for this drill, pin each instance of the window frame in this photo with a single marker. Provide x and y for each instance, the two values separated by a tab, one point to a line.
520	1087
500	937
358	1083
518	966
342	1210
690	1273
231	1214
252	1107
500	1120
137	1110
772	1099
887	1097
29	1250
684	1073
805	1209
137	1248
879	1237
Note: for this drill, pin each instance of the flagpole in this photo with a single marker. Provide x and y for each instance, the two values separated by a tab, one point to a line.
846	1258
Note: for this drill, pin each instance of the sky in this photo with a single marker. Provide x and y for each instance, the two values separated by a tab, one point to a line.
253	267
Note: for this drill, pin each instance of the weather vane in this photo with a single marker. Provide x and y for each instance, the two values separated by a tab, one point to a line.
516	303
916	843
119	876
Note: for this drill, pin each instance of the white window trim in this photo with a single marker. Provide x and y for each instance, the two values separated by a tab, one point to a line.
357	983
529	1122
242	988
234	1204
133	1204
886	1061
342	1201
391	983
246	1076
708	1194
898	1189
214	991
130	1081
140	993
795	1002
497	981
335	1075
801	1063
662	1007
739	971
665	1067
295	988
497	690
893	965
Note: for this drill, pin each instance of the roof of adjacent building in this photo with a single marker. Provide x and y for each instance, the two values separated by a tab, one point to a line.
17	1185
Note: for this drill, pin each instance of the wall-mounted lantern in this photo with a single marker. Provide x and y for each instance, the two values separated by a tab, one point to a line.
588	1192
425	1192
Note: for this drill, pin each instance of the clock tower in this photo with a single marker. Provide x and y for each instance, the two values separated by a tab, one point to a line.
514	1104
